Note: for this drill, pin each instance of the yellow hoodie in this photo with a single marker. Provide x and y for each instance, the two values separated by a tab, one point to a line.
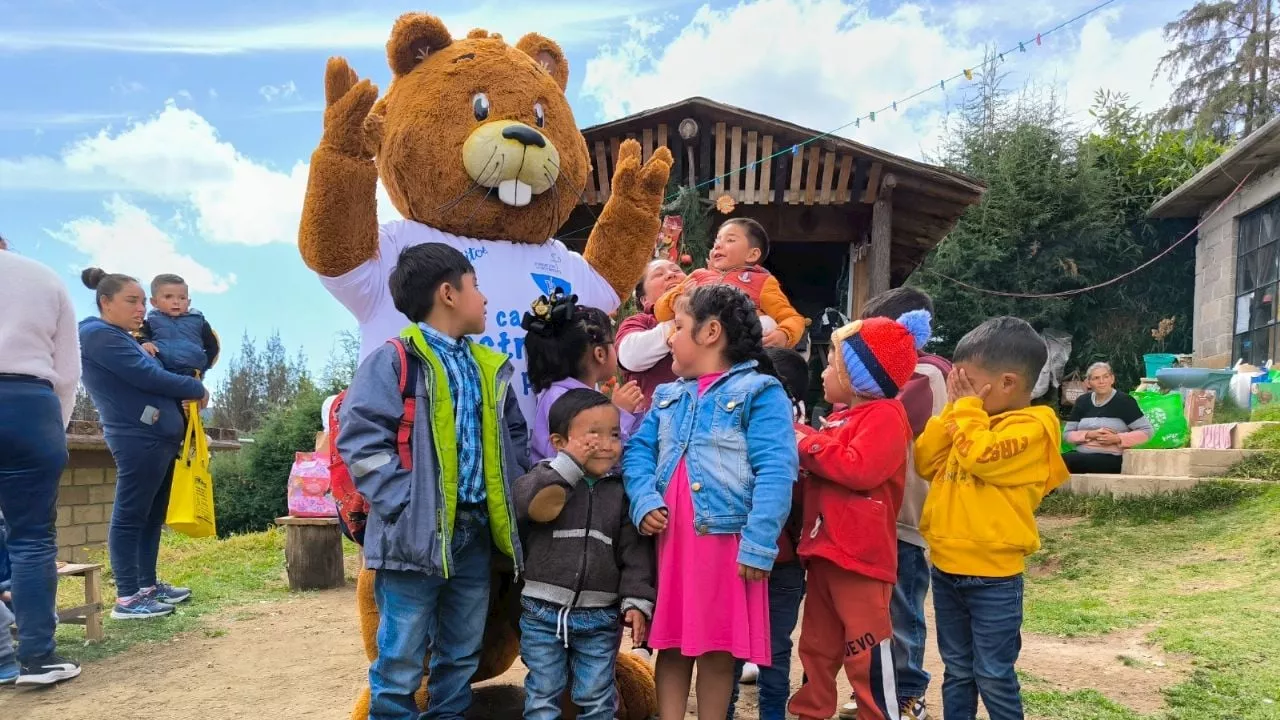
988	476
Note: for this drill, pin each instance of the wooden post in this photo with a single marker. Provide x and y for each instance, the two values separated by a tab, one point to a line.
312	553
93	599
881	236
858	281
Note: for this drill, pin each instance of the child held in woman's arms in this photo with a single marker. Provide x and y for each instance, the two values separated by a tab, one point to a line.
741	246
588	568
991	458
179	337
854	472
571	347
710	473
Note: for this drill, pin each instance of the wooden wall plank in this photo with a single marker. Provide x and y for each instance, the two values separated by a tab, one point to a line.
797	176
615	144
840	194
662	136
811	181
735	163
860	170
720	142
646	145
873	183
828	177
749	195
602	172
766	168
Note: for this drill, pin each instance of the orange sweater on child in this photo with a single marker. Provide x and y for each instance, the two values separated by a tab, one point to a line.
759	285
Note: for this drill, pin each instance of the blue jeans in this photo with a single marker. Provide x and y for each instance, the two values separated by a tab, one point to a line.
593	636
909	631
447	615
144	476
33	452
786	589
979	626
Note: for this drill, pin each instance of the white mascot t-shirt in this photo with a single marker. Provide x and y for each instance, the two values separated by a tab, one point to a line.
511	276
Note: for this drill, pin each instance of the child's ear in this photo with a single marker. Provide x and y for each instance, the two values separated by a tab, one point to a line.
447	294
1009	382
753	256
558	441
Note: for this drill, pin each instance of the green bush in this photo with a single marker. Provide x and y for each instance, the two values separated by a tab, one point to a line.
1266	413
250	487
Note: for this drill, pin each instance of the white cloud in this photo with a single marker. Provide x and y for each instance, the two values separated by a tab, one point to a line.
41	120
571	22
127	87
213	94
822	63
129	241
284	91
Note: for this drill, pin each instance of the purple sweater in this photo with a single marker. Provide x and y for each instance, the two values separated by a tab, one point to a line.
540	446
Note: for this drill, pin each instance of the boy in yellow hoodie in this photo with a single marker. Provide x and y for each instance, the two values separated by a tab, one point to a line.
991	458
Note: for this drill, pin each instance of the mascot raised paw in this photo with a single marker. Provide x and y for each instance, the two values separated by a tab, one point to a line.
477	148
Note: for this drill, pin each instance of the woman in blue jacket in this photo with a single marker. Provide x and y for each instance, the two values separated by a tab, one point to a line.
141	408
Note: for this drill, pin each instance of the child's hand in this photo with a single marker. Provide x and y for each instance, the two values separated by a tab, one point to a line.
777	338
959	386
750	574
581	447
654	523
150	348
639	625
628	397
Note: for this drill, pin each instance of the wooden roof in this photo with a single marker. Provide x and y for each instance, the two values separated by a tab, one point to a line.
1258	153
832	170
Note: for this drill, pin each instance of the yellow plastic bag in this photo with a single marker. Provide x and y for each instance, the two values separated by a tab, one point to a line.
191	500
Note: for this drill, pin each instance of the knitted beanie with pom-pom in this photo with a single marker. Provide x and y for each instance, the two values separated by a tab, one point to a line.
878	355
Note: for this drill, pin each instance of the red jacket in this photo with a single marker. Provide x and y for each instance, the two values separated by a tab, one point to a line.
853	472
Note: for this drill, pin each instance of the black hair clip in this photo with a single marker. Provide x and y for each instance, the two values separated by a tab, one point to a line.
549	312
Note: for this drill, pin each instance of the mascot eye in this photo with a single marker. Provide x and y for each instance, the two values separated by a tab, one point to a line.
480	106
539	114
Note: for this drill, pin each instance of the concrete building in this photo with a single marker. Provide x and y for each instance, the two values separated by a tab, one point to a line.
1237	250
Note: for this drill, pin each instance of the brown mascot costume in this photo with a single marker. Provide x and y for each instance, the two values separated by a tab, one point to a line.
477	147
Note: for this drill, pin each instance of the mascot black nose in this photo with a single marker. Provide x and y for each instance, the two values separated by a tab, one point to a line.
524	135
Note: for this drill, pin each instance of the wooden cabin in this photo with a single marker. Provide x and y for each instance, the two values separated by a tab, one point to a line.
846	220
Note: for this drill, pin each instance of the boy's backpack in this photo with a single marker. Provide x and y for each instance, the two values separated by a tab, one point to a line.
353	508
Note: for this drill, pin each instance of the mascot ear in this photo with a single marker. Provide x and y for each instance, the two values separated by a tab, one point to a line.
548	54
413	38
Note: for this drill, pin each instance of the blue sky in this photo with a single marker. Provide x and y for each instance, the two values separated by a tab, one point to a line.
150	137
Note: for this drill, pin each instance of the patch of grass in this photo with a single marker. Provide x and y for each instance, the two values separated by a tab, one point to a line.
1262	466
1206	582
225	573
1161	507
1079	705
1264	438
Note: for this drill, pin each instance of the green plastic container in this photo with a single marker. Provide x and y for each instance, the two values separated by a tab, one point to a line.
1156	362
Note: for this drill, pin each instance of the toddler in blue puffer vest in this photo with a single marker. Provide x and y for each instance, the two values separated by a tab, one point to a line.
179	337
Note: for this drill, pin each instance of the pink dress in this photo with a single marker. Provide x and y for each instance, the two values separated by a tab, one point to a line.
703	605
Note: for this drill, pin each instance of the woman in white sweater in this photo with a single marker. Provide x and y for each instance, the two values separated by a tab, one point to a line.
39	371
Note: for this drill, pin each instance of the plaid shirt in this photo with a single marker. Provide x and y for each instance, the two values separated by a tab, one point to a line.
464	387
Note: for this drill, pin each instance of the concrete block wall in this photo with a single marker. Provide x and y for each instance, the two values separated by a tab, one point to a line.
1213	330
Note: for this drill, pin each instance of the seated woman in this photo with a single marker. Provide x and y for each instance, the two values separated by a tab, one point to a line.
1103	424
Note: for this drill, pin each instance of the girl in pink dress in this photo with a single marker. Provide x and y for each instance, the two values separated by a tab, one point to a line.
710	472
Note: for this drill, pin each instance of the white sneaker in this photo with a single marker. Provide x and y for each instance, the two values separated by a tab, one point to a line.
849	710
750	673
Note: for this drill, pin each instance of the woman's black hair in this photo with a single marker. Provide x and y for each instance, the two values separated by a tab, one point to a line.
737	316
559	335
569	405
105	284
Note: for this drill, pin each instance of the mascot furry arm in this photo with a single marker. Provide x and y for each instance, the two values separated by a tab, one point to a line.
339	229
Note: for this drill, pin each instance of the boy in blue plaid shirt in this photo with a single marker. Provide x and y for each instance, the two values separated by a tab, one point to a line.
434	521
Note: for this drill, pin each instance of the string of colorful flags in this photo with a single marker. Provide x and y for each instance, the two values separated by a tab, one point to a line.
967	73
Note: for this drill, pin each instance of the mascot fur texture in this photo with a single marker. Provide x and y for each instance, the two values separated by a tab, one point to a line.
443	141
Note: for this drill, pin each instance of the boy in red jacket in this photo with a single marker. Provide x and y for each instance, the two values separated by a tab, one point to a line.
853	472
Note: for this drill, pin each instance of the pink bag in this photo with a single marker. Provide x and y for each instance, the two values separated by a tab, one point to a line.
309	486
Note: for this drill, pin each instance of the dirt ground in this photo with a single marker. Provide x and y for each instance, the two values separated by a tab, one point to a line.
292	659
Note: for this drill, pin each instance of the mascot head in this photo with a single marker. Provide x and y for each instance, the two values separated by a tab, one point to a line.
475	136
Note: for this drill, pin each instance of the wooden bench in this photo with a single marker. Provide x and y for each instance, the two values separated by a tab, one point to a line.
313	553
90	614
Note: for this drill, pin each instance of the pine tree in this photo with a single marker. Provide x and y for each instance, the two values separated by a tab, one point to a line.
240	403
1223	58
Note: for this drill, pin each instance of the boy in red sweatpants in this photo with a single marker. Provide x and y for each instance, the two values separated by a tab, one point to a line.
853	472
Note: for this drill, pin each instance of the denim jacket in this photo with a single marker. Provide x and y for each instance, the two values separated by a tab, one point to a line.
740	450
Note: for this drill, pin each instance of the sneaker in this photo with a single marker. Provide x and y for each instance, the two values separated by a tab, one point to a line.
750	673
170	595
48	670
9	672
643	654
141	606
849	710
913	709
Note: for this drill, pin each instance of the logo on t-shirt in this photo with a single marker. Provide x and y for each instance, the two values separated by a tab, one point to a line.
548	284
